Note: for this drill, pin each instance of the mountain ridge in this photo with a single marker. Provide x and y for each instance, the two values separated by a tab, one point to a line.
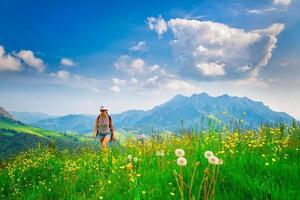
171	114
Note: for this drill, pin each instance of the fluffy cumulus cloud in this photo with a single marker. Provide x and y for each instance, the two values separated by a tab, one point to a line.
14	61
136	66
211	69
150	77
29	59
159	25
211	50
67	62
141	46
130	65
8	62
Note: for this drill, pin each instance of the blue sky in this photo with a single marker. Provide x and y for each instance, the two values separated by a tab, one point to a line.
62	57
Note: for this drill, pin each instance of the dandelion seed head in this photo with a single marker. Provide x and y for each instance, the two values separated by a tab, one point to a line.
213	160
179	152
208	154
181	161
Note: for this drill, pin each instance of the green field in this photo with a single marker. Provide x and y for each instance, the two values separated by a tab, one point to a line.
16	137
261	164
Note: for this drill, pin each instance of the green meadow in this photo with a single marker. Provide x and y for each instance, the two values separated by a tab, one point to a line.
262	164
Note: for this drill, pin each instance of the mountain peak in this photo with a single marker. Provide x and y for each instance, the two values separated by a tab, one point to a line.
6	114
224	95
178	97
202	95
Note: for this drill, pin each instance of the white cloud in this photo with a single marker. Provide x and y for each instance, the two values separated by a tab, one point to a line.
63	74
169	81
141	46
117	81
115	88
138	65
284	63
154	68
272	32
123	62
159	25
262	11
67	62
282	2
245	68
151	77
28	57
130	65
203	44
277	6
211	69
8	62
151	81
176	84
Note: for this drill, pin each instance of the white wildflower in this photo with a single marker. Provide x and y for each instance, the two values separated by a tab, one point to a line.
179	152
181	161
213	160
129	157
208	154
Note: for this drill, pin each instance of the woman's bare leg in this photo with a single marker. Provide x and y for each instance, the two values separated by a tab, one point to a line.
104	142
100	142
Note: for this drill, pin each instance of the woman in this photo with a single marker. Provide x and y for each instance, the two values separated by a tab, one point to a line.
104	128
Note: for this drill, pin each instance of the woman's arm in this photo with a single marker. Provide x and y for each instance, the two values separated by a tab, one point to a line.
111	127
96	127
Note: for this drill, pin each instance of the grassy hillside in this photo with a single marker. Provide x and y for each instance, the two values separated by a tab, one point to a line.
16	137
260	164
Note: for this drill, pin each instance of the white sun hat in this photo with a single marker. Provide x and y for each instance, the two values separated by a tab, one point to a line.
103	108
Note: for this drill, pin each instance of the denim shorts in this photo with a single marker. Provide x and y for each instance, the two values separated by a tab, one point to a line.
102	135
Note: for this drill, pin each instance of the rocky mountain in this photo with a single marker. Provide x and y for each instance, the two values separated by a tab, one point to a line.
198	110
5	114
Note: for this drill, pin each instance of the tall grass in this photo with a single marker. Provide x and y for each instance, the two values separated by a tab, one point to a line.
261	164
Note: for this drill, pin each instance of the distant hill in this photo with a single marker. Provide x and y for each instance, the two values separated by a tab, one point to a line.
198	110
16	136
75	123
30	117
130	117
